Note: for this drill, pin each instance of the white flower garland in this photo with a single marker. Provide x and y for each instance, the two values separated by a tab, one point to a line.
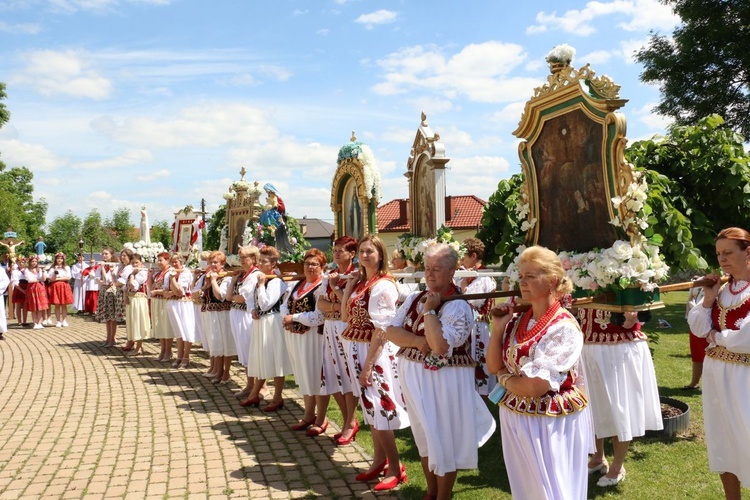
618	267
147	251
371	172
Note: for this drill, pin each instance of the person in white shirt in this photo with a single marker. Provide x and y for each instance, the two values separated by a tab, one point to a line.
79	294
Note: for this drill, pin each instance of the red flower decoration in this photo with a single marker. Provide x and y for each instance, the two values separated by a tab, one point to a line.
385	386
387	403
378	369
366	402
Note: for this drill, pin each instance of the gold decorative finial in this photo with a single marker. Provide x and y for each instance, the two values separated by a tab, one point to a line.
242	174
354	137
424	119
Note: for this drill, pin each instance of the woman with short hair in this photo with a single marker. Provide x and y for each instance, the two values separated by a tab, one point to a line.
137	318
159	292
216	317
180	310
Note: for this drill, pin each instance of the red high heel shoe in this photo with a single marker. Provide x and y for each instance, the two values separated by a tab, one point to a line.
389	484
342	441
274	406
317	430
251	402
302	424
369	476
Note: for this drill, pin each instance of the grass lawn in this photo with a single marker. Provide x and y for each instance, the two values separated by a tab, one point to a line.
658	466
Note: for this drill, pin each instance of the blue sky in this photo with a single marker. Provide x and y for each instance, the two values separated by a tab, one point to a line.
118	103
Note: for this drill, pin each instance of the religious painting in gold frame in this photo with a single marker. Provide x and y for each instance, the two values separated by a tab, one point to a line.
572	155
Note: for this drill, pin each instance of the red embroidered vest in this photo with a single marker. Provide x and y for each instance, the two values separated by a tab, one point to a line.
414	323
598	330
360	327
306	303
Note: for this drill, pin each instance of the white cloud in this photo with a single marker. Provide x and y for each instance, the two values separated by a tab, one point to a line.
628	48
34	156
152	176
477	175
128	158
20	29
210	125
299	12
643	15
323	32
276	72
478	71
655	122
596	57
381	16
510	114
63	73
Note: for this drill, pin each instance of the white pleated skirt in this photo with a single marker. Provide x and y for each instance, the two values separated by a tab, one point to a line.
726	415
160	324
306	353
383	405
335	371
547	457
448	417
241	323
219	333
182	319
480	339
200	335
137	319
78	297
622	389
268	355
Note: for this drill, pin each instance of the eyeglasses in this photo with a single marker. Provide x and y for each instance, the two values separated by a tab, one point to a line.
311	264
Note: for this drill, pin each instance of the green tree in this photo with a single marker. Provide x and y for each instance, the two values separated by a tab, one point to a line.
709	181
95	235
121	226
704	67
162	232
499	230
4	113
18	209
213	234
63	234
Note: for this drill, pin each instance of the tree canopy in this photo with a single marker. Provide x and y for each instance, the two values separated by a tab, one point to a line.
704	67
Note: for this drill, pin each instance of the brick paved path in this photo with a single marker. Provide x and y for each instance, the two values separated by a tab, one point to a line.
80	420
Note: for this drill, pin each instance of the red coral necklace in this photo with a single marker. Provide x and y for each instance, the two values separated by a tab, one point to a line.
523	334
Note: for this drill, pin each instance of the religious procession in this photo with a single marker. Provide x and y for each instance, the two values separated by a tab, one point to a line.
417	332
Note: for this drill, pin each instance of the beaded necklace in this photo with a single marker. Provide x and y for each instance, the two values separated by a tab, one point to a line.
523	334
742	288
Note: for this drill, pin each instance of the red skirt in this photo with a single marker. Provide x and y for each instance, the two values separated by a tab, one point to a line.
92	297
19	292
60	293
698	348
36	297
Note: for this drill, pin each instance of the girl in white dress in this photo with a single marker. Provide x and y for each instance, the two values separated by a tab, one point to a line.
79	281
59	293
216	317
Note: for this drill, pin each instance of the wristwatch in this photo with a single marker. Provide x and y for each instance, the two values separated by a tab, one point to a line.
431	311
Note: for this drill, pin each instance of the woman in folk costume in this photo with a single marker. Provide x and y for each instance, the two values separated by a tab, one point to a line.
303	332
241	293
723	318
110	307
216	317
622	387
4	283
368	305
159	292
448	418
121	282
196	290
137	317
36	294
91	286
59	292
336	380
79	282
19	285
480	335
180	309
545	421
268	354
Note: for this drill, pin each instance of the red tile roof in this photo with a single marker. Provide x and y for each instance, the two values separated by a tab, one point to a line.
461	212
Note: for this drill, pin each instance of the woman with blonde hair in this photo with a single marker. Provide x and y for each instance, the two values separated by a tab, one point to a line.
545	422
368	305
